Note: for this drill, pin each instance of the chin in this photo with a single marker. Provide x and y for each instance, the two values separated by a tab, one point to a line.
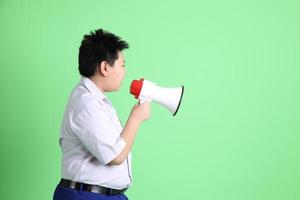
115	89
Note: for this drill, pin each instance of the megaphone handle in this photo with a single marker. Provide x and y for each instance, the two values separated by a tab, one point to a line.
142	100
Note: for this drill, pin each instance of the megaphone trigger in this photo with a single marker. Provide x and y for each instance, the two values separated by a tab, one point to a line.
142	100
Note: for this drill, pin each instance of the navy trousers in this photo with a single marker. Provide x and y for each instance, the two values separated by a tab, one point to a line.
62	193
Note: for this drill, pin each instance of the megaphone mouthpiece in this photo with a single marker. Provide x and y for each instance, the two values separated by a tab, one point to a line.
136	87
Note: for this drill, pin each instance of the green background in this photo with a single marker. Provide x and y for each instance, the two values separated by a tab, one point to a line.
236	135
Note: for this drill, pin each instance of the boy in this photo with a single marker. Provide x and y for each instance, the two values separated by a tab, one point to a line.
96	158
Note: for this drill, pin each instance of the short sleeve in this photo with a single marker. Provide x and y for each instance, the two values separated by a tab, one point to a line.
98	134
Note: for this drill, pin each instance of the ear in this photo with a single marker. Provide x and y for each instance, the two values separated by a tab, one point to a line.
103	68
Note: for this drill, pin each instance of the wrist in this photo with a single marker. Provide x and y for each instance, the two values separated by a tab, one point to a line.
135	121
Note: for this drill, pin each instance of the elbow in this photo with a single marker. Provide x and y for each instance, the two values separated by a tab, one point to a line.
116	161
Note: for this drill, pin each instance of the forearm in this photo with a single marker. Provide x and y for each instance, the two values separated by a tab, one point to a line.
128	135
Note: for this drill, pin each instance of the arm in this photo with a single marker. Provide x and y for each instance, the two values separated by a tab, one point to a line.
138	115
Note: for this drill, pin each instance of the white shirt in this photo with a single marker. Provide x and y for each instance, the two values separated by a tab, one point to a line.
90	139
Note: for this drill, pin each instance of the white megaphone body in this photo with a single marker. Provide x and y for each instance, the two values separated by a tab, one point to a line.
145	90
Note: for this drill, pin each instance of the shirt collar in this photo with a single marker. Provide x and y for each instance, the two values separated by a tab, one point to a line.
90	85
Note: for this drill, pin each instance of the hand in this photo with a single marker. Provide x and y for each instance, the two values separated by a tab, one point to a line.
141	111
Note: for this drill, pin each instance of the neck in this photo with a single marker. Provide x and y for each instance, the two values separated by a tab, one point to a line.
97	82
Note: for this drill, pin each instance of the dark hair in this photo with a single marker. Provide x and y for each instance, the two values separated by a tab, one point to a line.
99	46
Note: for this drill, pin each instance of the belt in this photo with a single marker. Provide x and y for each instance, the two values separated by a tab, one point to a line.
90	188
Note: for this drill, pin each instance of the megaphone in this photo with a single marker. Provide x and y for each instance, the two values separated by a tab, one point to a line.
145	90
